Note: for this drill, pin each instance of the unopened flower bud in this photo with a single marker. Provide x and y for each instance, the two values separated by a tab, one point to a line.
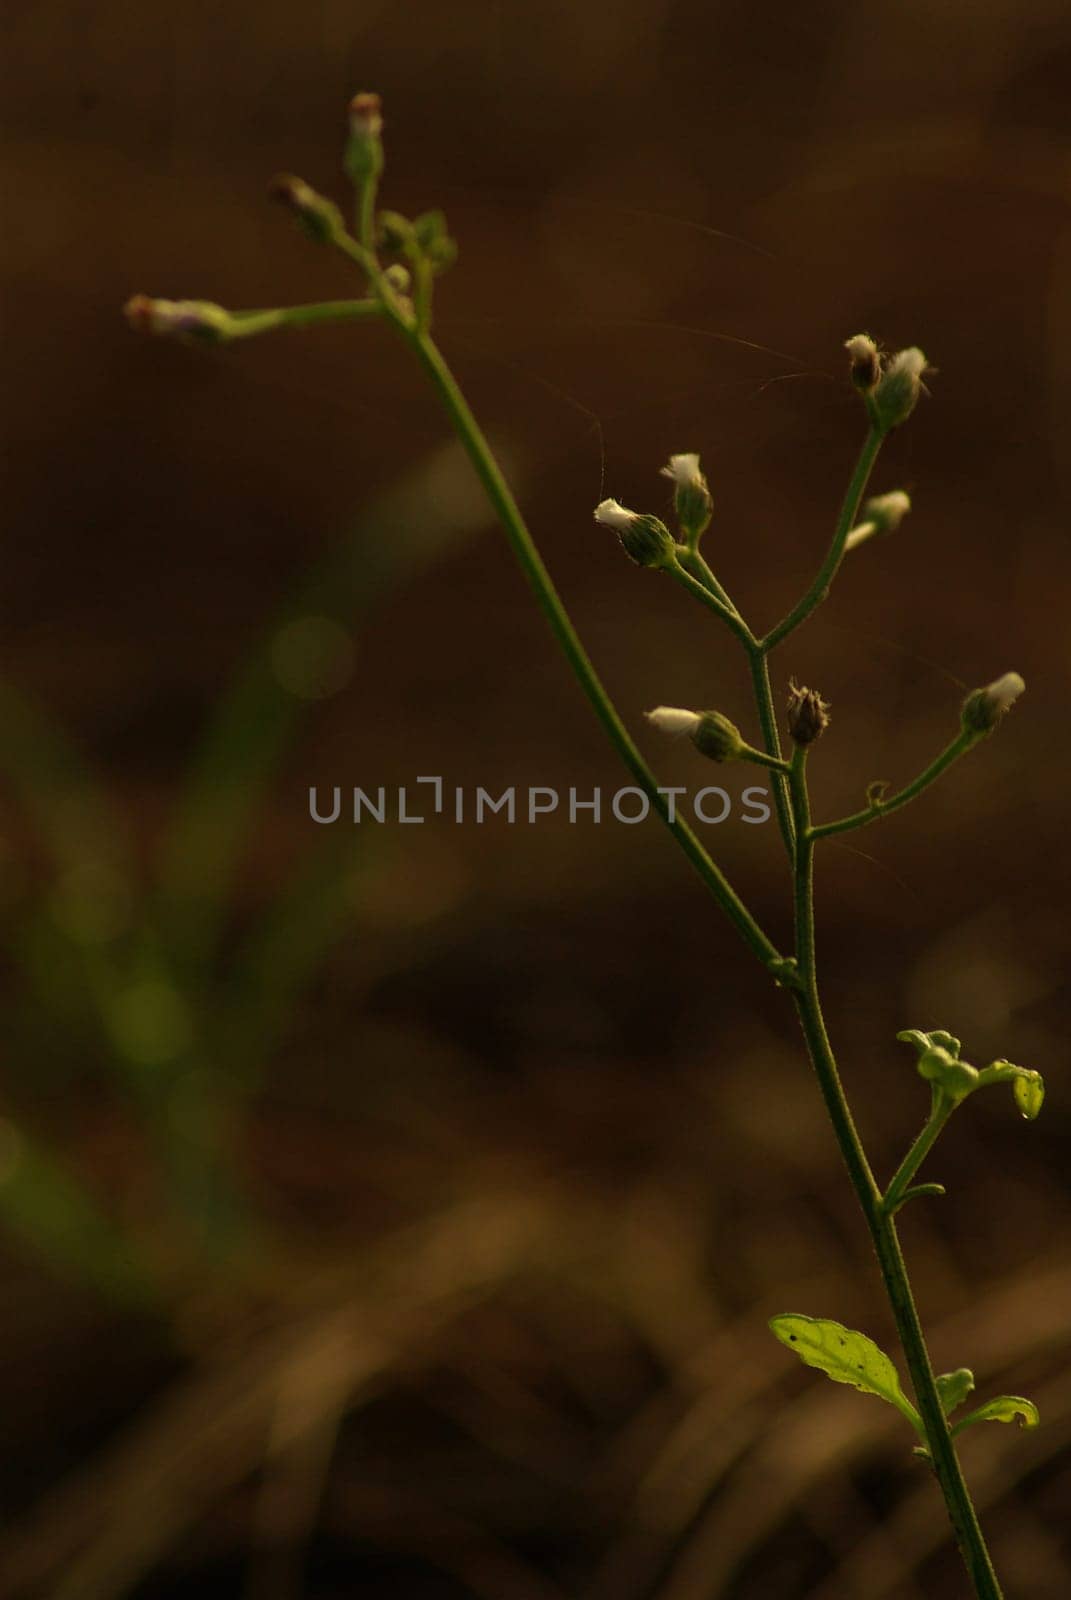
864	362
644	539
712	733
898	390
691	498
984	708
320	217
363	159
881	514
673	719
184	319
808	714
954	1079
399	277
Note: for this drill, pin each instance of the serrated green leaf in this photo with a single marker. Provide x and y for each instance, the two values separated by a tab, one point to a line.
1005	1408
846	1357
954	1387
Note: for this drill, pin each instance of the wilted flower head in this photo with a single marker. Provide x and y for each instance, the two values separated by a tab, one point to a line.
808	714
645	539
320	217
366	115
691	501
984	708
363	159
190	319
864	361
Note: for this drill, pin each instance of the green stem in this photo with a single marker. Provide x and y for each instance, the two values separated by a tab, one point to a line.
880	1223
920	1149
550	603
694	563
835	554
706	597
804	984
959	746
247	324
760	682
691	559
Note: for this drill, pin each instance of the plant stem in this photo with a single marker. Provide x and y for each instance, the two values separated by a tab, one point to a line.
835	554
959	746
550	603
804	984
694	563
707	597
879	1220
920	1149
247	324
760	682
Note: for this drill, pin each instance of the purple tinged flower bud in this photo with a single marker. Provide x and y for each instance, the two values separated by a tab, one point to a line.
363	160
691	499
984	708
184	319
808	714
644	539
864	362
320	217
897	392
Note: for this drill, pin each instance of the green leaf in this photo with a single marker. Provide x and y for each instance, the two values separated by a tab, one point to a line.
846	1357
954	1387
1029	1092
1005	1408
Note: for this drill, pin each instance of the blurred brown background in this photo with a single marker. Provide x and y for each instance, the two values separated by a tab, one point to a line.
397	1211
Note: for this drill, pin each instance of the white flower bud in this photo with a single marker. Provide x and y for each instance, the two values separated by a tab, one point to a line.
882	514
712	733
673	719
897	393
645	539
984	708
612	514
691	500
864	362
683	469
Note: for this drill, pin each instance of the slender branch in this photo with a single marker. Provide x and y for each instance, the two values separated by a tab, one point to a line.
835	554
897	1191
699	568
760	682
247	324
706	597
550	603
880	808
694	563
